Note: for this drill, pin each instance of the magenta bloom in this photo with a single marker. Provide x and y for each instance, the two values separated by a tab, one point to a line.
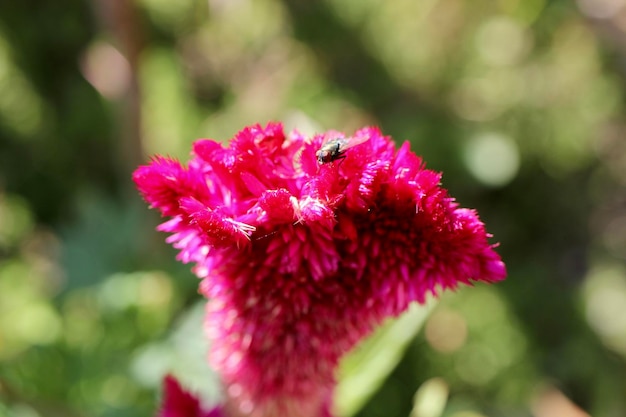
179	403
300	260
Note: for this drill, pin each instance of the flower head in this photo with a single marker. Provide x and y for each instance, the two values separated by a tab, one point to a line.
301	259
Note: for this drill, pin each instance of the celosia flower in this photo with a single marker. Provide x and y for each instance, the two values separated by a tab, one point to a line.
300	260
179	403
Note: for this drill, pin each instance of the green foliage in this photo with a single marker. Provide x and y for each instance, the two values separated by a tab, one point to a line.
365	369
519	103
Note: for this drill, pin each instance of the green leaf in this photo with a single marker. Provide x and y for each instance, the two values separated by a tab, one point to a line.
364	370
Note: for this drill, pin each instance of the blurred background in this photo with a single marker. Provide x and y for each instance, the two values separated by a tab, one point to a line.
519	102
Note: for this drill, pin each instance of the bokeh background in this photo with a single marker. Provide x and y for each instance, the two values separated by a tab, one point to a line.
519	102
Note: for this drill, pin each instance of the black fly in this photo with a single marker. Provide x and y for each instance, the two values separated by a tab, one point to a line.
336	148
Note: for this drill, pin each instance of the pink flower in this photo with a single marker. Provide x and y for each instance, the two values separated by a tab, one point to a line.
179	403
300	260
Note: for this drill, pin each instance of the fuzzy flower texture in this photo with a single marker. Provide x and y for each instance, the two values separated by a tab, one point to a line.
301	258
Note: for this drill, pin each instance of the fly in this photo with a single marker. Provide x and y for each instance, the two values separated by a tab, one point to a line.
336	148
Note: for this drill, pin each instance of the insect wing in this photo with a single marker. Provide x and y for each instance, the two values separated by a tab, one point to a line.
348	143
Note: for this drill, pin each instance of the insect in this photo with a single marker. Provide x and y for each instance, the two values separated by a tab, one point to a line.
336	148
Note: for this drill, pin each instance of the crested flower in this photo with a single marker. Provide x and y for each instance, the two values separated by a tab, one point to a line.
302	253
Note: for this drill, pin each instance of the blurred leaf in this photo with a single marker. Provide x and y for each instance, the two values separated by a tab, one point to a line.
103	240
430	398
364	370
170	118
183	354
16	220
